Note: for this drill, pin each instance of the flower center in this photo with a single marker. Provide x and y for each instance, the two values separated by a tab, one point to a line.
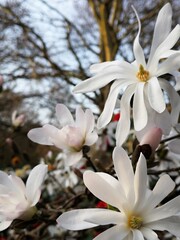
142	75
135	222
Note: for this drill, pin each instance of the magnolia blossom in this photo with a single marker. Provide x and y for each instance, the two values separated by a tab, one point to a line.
142	80
17	200
72	136
137	214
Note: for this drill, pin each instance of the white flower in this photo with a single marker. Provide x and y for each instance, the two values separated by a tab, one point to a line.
72	136
141	79
138	213
18	201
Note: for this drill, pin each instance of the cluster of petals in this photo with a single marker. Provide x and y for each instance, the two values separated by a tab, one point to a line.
17	200
141	80
73	135
138	211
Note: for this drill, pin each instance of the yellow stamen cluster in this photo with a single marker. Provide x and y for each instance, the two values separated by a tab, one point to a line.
142	75
135	222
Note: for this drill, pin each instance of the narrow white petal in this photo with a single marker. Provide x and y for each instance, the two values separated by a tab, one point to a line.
155	95
123	126
124	171
137	235
38	135
149	234
80	119
169	65
4	225
170	224
163	26
34	182
75	219
97	67
139	108
64	115
138	52
118	232
90	122
102	189
174	146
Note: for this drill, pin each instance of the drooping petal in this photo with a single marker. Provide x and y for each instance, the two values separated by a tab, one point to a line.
138	51
102	189
75	219
97	67
4	225
34	182
149	234
169	65
137	235
123	126
38	135
170	224
163	26
118	232
64	116
139	108
174	146
124	171
155	95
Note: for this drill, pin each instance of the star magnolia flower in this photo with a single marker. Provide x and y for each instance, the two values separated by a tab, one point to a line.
141	79
18	201
138	215
72	136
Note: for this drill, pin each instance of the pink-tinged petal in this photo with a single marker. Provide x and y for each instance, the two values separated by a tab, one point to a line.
140	182
73	157
155	95
167	210
109	74
80	120
64	116
124	171
169	65
91	138
138	51
118	232
167	44
174	146
170	224
163	26
137	235
40	136
123	126
4	225
75	219
19	186
34	182
107	113
139	108
90	122
97	67
100	187
174	100
163	187
149	234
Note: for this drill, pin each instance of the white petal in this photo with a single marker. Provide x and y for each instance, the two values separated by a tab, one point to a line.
149	234
34	182
124	171
64	115
97	67
174	146
102	189
91	138
123	126
138	52
140	181
118	232
139	108
137	235
170	224
38	135
169	65
163	26
4	225
89	119
73	158
155	95
80	120
75	219
18	185
167	210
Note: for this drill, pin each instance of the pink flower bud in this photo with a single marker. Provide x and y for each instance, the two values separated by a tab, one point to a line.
152	137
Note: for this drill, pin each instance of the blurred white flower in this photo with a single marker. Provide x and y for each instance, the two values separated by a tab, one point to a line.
17	120
174	145
72	136
138	213
17	200
141	80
